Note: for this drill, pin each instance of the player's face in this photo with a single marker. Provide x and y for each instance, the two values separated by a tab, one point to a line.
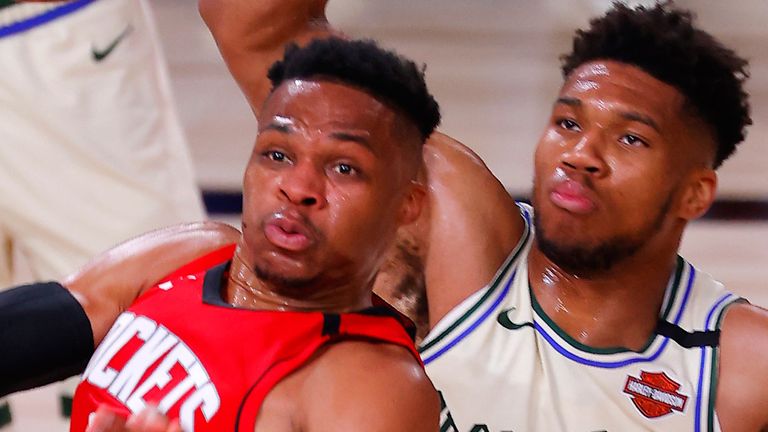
327	185
613	165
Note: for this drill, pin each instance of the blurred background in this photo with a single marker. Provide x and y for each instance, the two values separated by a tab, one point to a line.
493	66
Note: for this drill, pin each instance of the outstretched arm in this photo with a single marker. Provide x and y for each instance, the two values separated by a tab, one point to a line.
110	282
742	397
49	331
251	35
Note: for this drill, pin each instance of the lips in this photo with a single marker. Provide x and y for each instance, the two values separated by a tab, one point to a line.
289	232
572	196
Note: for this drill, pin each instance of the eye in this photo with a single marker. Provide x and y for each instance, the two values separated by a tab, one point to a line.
274	155
345	169
568	124
633	140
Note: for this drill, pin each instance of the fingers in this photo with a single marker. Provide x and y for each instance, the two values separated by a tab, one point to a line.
151	420
148	420
105	420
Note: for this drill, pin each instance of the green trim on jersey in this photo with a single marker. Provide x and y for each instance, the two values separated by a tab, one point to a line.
571	341
6	3
494	286
610	350
675	287
713	373
712	388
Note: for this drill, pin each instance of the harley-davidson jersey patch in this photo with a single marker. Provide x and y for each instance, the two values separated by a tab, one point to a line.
655	394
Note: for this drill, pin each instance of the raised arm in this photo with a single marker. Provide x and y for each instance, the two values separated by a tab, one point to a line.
251	35
742	397
473	224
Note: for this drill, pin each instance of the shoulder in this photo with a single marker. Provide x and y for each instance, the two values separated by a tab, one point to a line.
742	395
185	239
745	330
112	280
205	233
143	260
369	386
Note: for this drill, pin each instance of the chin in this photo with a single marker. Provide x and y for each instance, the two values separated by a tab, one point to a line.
278	265
580	253
285	279
572	230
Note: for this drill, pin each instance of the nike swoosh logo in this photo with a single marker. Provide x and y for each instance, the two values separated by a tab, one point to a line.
100	55
506	322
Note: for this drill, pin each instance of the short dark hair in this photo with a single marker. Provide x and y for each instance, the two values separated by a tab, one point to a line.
362	63
663	42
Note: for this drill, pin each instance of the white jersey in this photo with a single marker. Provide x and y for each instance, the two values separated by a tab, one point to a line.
91	149
501	364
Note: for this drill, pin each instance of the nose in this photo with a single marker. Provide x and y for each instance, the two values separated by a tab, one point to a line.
586	156
303	185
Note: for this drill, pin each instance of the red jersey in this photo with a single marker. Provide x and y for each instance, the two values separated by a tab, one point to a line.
205	362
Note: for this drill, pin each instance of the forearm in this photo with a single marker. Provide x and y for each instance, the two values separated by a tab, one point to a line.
260	24
251	35
45	336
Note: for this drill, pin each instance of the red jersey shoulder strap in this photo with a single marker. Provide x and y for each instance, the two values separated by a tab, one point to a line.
203	263
375	324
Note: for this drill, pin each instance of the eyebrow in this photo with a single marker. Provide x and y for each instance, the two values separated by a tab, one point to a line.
568	101
352	137
635	116
279	127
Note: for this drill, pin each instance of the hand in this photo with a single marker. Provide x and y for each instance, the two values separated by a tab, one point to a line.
148	420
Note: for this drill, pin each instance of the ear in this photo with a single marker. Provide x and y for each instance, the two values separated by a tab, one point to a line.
413	203
699	194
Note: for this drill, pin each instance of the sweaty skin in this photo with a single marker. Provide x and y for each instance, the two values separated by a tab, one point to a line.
620	160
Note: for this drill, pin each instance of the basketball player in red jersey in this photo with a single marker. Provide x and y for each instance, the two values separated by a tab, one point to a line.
98	293
281	332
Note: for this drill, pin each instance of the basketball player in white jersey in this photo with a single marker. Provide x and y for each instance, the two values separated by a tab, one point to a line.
580	315
92	149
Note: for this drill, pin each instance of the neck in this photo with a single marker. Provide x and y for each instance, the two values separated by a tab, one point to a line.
245	289
615	308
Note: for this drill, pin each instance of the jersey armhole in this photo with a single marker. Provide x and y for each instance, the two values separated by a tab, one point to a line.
458	318
712	421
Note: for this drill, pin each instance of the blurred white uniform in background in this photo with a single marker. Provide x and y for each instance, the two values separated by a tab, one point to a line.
91	148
